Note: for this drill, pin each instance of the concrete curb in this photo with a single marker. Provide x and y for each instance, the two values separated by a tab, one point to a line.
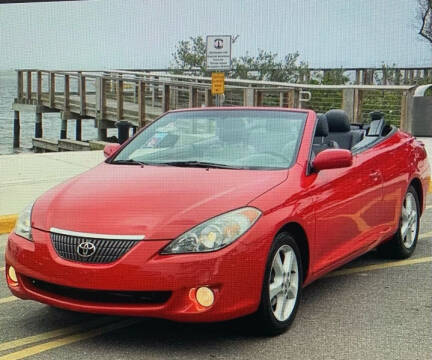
7	223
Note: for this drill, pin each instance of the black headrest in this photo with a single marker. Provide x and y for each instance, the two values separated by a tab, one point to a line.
322	128
338	121
376	115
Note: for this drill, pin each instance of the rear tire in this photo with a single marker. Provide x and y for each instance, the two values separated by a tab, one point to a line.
403	243
282	287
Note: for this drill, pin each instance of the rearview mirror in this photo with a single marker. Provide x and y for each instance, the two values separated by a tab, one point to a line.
332	159
110	149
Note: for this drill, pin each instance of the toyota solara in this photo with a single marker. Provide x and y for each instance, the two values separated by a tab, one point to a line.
215	213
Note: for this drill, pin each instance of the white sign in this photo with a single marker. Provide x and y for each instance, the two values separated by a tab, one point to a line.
218	52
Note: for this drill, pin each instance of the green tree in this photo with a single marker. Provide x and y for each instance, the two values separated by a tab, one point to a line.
332	77
266	66
262	67
190	55
389	75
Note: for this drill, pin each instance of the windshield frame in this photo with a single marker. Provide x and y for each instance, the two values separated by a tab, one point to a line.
112	159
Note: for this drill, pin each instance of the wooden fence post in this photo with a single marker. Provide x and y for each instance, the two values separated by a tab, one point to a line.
154	90
397	77
193	97
248	96
208	98
371	76
293	98
166	98
29	86
405	77
82	93
39	87
16	130
78	129
403	118
66	99
141	103
282	98
51	81
119	99
411	77
357	107
406	111
63	128
38	125
103	88
136	89
348	102
259	97
385	76
20	82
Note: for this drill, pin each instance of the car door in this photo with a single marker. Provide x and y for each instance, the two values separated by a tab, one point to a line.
398	159
346	206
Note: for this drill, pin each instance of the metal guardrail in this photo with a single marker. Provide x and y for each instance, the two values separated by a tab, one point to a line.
380	75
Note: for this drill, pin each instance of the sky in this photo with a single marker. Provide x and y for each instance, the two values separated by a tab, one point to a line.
140	34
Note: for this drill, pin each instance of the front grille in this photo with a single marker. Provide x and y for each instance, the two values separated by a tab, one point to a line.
103	296
102	250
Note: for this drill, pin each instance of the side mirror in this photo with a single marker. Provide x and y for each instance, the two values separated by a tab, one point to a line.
332	159
111	149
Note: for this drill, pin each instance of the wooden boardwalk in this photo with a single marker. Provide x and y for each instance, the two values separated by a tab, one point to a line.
140	97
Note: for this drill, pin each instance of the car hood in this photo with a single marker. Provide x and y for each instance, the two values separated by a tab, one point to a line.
160	202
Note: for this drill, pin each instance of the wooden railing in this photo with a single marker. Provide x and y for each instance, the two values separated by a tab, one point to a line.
139	97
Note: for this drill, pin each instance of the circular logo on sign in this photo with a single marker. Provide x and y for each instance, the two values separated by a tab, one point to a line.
218	43
86	249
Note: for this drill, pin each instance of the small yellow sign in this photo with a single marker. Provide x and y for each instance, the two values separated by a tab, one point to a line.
218	83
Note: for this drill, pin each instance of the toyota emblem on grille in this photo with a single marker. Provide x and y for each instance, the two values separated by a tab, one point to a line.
86	249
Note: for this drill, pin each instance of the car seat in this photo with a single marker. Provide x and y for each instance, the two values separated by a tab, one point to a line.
321	140
340	129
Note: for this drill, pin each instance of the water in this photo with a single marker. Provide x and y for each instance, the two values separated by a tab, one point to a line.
51	121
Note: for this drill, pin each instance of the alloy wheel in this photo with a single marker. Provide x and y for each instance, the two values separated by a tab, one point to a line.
409	220
284	282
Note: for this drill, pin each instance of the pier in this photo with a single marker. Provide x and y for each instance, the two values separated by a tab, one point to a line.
106	97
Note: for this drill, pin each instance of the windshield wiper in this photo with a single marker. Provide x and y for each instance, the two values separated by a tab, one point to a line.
129	162
203	164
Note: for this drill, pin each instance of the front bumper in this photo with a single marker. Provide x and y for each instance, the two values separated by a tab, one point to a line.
235	274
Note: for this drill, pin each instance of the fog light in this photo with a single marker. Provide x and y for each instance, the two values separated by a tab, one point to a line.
12	274
204	296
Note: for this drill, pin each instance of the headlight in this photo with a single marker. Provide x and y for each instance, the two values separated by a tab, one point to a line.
23	224
216	233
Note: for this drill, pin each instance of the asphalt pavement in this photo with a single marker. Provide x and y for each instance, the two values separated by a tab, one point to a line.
370	309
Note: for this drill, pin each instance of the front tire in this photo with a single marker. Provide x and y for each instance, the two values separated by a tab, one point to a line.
282	286
403	243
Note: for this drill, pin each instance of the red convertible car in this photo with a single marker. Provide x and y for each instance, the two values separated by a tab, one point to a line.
215	213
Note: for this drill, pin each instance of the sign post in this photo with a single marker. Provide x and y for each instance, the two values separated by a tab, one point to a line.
218	59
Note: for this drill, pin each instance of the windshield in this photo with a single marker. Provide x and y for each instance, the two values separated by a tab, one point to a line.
243	139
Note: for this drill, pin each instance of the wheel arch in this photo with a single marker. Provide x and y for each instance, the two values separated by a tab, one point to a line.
417	185
297	231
